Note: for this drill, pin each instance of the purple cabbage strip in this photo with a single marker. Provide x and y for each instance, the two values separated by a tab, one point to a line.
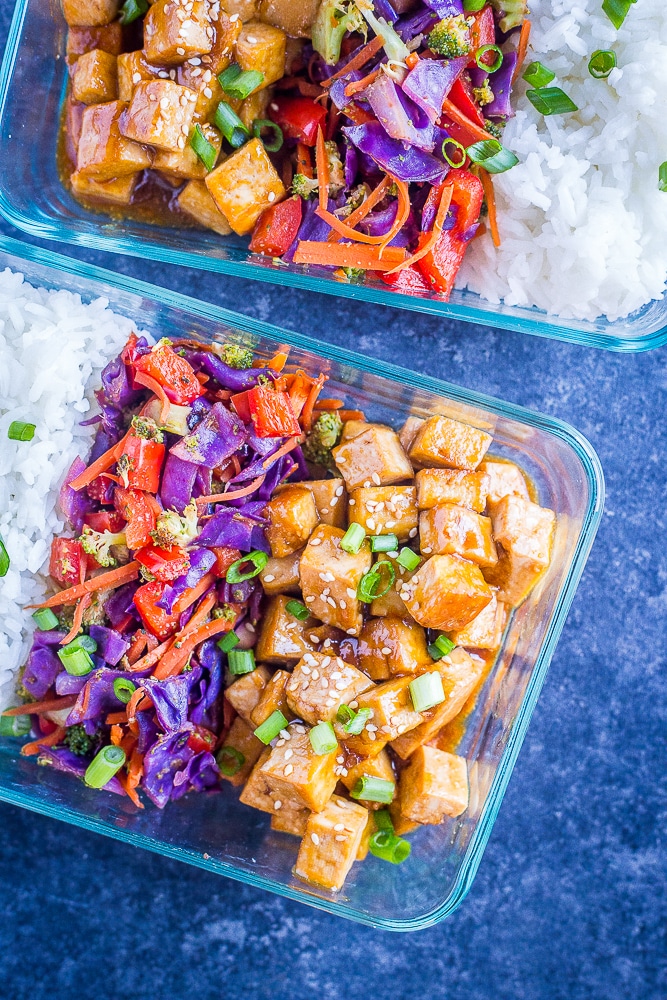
53	638
96	698
120	603
384	9
63	759
201	561
404	162
351	165
198	411
229	527
501	85
110	644
72	504
469	233
430	81
168	755
219	436
204	709
68	684
445	8
311	228
416	23
41	670
236	379
148	731
171	699
397	114
201	772
236	593
429	213
178	481
116	388
337	89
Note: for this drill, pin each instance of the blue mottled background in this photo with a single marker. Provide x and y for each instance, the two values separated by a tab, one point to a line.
569	902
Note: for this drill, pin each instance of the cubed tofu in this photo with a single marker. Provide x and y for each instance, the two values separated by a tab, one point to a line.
460	674
115	192
437	486
185	163
504	478
320	684
244	694
170	38
295	19
272	699
406	435
389	646
90	13
298	776
391	603
254	107
392	714
353	428
257	792
95	78
452	530
330	500
364	845
373	458
242	739
373	767
486	630
281	576
449	444
108	37
524	533
292	517
446	592
434	785
133	69
104	154
402	824
226	33
383	510
196	201
330	578
245	185
289	820
282	637
245	9
330	844
160	114
261	47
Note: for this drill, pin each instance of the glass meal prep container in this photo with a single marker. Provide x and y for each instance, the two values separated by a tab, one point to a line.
33	198
213	830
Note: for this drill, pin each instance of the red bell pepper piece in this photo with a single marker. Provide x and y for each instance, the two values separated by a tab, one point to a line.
164	564
240	403
277	228
141	512
174	373
141	462
463	97
101	489
105	520
201	739
468	197
66	561
155	619
482	31
408	280
441	264
298	117
271	412
225	556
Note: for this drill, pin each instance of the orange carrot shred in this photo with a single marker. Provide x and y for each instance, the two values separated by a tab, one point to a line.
135	703
151	658
329	404
434	235
101	464
362	211
40	707
362	57
307	413
77	620
412	60
137	646
131	780
299	390
351	415
322	165
284	450
116	718
116	735
279	360
459	118
348	255
402	213
175	659
358	85
522	49
114	578
233	494
31	749
151	383
490	196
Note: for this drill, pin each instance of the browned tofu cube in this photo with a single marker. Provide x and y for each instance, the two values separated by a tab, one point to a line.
105	154
173	33
330	500
282	637
226	30
373	458
89	13
330	578
406	435
196	202
330	844
402	824
244	185
254	107
320	684
257	792
449	444
434	785
437	486
185	163
486	630
392	714
504	478
353	428
383	510
391	603
115	192
108	37
95	78
281	576
296	775
294	19
289	820
133	69
242	739
160	114
292	517
524	533
244	694
446	592
261	47
374	767
369	830
272	699
452	530
389	646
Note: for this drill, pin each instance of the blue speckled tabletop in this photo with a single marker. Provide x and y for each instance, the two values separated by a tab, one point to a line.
569	902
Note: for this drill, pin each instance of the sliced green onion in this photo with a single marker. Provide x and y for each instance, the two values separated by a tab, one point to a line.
371	584
617	10
124	688
458	149
408	559
83	642
76	662
241	661
228	642
353	722
384	543
297	609
601	63
489	67
104	766
386	845
204	149
236	573
353	539
20	431
132	10
323	739
550	101
345	714
472	6
373	789
441	647
240	83
273	145
229	760
427	691
538	75
45	618
231	125
662	186
4	559
228	75
383	820
14	725
492	155
270	728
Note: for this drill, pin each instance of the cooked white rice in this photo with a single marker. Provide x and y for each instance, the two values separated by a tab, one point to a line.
582	221
51	347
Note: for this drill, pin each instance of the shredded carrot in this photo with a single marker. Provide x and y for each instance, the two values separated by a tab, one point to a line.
351	415
175	658
357	114
402	213
114	578
412	60
116	718
322	165
299	391
135	703
304	161
315	390
522	49
279	360
128	743
190	596
151	383
40	707
346	231
233	494
329	404
284	450
459	118
112	477
356	62
151	658
198	618
31	749
116	735
434	235
358	85
137	646
362	211
132	779
101	464
490	196
77	620
348	255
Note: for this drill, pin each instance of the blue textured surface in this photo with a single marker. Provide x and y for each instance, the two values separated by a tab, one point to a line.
570	900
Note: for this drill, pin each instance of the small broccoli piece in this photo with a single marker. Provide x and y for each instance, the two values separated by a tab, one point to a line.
145	427
98	543
226	612
394	46
304	186
494	128
324	436
236	356
174	529
333	20
78	741
512	13
336	169
356	197
354	273
483	94
451	37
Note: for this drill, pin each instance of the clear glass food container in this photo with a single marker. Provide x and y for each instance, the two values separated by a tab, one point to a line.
213	830
32	197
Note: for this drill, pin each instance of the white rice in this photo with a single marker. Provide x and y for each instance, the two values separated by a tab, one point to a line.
52	346
582	221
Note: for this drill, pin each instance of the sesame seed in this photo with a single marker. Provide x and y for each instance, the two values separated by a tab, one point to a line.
152	97
340	760
289	753
310	659
412	532
195	61
340	836
339	491
315	839
269	578
181	142
316	541
367	484
272	196
341	685
234	18
386	651
315	639
339	826
351	593
351	631
250	626
354	704
343	604
316	675
331	601
371	735
324	683
252	39
305	669
340	459
334	501
336	675
293	686
277	804
208	92
288	770
181	52
280	743
274	106
324	510
299	729
136	78
427	551
390	524
309	600
324	576
326	592
343	771
370	524
352	503
185	130
305	685
370	727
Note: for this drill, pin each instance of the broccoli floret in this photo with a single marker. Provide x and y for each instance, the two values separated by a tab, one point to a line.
393	44
334	18
304	186
451	37
98	543
145	427
355	198
354	273
226	612
324	436
483	94
236	356
336	170
78	740
494	128
512	13
174	529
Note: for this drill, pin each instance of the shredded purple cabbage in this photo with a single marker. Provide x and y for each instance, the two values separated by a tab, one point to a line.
219	436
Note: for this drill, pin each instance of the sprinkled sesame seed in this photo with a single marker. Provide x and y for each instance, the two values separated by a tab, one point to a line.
351	593
310	659
340	836
272	196
289	753
269	578
274	106
285	734
316	675
331	601
316	541
136	78
351	631
354	704
427	551
339	491
305	669
340	760
152	97
334	501
208	92
252	39
181	52
340	459
234	18
309	600
324	683
389	524
352	503
341	685
277	804
412	532
367	484
343	771
288	770
371	524
315	639
386	651
339	826
315	839
280	743
343	605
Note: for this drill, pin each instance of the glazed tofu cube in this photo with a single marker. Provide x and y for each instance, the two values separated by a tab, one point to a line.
272	699
108	38
185	163
524	533
283	638
281	576
244	185
389	646
434	785
402	824
320	684
406	435
392	715
449	444
486	630
105	154
460	674
383	510
374	767
294	19
437	486
133	69
353	428
89	13
373	458
292	518
446	592
255	107
95	78
257	792
242	739
261	47
391	603
160	114
330	844
115	192
196	202
330	500
452	530
298	776
245	9
504	478
364	845
289	820
172	34
330	577
226	34
244	694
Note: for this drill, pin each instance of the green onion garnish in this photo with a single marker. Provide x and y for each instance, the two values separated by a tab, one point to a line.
204	149
83	642
472	6
45	618
20	431
229	760
236	573
353	722
386	845
4	559
14	725
270	145
353	539
408	559
427	691
231	125
104	766
297	609
492	155
132	10
372	585
617	10
537	75
601	63
270	728
239	83
228	75
458	150
383	820
124	688
550	101
228	642
241	661
662	186
76	662
373	789
489	67
322	738
441	647
384	543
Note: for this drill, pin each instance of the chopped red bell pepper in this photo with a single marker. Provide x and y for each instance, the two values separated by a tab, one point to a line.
240	403
141	462
441	264
155	619
468	197
101	489
201	739
141	511
164	564
482	30
174	373
408	280
277	228
105	520
66	561
298	117
271	412
463	97
225	556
